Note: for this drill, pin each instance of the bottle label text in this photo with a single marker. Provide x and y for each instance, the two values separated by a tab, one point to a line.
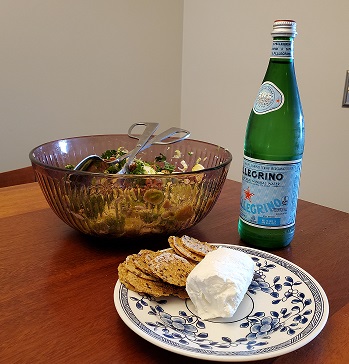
282	49
269	193
269	98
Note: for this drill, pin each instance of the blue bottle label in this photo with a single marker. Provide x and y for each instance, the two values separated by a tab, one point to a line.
269	98
269	193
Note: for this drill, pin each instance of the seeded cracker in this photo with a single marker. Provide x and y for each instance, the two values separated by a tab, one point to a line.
141	285
134	263
171	241
122	271
171	268
181	293
142	261
163	272
177	244
196	246
148	255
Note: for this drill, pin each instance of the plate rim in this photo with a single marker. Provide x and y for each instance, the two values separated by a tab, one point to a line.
233	358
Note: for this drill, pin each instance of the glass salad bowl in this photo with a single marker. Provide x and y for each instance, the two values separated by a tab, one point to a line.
130	205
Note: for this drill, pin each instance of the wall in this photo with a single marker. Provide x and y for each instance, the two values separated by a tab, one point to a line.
78	67
226	48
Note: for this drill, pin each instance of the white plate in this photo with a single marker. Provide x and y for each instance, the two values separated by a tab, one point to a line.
284	309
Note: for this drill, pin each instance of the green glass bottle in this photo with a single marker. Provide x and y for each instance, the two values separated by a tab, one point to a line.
273	150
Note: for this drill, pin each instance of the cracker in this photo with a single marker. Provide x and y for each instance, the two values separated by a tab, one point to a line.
196	246
181	293
129	286
171	268
135	264
175	250
123	271
176	243
163	272
145	256
141	285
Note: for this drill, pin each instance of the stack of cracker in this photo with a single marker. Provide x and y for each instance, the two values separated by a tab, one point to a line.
165	272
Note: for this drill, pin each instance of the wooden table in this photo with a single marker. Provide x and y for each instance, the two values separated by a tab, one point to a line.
56	285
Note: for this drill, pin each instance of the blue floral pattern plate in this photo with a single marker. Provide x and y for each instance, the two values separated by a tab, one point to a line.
284	309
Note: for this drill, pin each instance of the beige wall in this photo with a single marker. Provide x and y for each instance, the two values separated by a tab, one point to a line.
226	48
77	67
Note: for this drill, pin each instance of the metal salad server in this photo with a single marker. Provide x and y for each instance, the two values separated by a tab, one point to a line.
162	139
99	165
96	164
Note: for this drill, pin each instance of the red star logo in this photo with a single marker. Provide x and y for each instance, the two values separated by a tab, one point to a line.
248	194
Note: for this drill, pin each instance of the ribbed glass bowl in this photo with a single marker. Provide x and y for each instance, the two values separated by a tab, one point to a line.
112	205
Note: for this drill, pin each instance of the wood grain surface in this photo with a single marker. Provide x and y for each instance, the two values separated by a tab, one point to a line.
56	298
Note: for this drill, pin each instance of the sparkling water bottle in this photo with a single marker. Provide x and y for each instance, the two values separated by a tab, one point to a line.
273	150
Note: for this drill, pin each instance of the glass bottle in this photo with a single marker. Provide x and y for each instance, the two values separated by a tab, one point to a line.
273	150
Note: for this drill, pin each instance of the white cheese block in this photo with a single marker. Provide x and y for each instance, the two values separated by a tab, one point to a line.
217	285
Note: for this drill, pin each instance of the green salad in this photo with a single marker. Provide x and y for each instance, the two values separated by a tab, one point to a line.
138	166
156	203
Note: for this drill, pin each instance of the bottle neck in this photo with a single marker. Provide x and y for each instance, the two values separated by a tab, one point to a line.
282	49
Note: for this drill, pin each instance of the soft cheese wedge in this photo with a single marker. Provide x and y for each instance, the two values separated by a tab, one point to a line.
217	285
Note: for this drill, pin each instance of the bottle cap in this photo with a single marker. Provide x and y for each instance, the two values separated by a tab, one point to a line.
284	28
